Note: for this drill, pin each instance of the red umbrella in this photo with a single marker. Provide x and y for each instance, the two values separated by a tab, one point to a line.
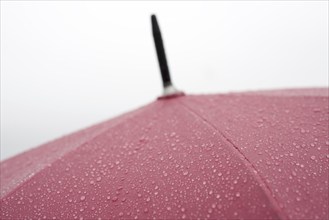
256	155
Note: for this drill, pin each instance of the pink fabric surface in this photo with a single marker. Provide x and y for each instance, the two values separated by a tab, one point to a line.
284	135
247	156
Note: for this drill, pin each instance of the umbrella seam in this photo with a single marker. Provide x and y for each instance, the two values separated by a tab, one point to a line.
281	213
128	116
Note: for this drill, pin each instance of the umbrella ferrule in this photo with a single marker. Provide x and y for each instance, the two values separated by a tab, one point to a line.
168	88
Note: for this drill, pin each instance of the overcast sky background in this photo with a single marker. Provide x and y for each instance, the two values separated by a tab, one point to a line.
68	65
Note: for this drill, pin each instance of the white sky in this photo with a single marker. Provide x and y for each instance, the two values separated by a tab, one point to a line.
68	65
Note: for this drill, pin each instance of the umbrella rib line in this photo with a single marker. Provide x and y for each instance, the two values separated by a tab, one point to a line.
267	189
127	115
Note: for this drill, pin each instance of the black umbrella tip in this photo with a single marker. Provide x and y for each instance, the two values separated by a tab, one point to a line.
155	25
168	87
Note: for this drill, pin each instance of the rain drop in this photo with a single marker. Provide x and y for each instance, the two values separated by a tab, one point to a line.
82	198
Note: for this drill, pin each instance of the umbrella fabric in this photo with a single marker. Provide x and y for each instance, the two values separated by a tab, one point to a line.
257	155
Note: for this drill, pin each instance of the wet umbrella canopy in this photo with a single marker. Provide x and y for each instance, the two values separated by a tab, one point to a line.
259	155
